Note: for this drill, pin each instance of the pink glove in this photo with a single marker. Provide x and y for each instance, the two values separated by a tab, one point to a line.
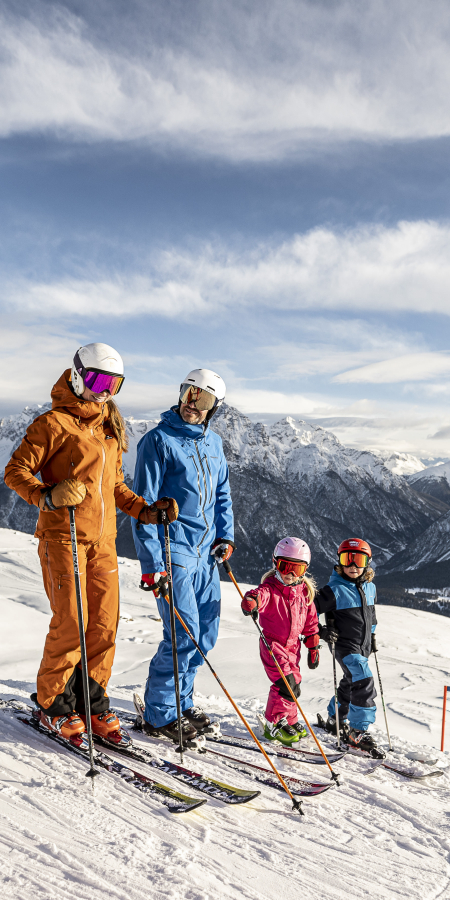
250	603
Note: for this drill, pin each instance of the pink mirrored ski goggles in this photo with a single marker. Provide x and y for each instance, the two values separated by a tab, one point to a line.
97	380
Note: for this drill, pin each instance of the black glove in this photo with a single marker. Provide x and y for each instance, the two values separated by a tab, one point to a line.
329	633
373	643
282	689
313	658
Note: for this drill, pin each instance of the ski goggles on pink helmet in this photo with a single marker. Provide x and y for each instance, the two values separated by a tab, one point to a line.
298	567
201	399
98	380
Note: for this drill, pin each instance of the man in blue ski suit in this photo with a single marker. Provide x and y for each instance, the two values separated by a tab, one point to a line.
348	601
182	458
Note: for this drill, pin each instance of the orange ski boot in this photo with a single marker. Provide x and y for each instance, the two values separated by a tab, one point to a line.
70	727
107	727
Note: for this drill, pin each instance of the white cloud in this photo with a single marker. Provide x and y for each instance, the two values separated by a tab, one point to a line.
251	83
363	271
411	367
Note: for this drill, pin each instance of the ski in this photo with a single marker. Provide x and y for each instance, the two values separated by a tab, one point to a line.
261	774
407	773
173	800
216	789
306	756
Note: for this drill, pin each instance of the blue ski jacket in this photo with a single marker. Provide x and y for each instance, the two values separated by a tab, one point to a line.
186	462
352	605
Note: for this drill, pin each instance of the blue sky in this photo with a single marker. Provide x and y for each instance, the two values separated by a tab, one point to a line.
258	188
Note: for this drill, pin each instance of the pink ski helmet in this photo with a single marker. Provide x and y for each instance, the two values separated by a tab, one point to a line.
293	548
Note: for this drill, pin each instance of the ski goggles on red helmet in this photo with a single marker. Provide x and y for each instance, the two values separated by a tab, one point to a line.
97	380
347	558
297	567
201	399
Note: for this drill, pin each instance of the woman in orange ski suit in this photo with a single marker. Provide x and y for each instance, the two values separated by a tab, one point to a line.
77	447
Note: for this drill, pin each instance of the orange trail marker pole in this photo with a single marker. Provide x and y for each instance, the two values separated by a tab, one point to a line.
444	707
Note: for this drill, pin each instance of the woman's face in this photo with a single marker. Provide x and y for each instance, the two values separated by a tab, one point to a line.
95	398
353	571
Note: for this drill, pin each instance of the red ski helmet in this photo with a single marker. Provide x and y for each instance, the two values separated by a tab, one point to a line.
354	550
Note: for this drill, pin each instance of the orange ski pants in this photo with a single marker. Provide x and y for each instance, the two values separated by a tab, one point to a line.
59	684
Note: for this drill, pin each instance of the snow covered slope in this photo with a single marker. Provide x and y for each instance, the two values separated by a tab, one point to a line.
434	480
380	836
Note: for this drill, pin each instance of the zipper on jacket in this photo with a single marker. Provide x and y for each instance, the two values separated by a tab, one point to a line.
101	483
206	496
210	476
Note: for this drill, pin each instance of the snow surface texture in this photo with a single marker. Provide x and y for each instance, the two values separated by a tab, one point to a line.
378	837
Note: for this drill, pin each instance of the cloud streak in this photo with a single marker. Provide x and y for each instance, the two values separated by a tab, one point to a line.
410	367
209	88
362	271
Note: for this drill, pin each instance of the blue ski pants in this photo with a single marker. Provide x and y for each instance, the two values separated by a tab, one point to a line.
196	591
356	692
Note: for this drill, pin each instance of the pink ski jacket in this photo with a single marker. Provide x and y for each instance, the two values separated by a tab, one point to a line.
284	615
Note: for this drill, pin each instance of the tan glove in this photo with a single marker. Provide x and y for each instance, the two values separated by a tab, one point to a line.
150	515
69	492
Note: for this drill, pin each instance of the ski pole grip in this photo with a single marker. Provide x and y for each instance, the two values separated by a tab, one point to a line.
226	566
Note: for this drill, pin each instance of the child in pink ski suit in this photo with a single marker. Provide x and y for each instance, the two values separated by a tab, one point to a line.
284	602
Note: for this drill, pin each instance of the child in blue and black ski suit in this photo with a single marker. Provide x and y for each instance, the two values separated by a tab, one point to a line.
349	606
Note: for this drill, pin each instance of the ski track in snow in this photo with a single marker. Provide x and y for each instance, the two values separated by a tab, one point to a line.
379	836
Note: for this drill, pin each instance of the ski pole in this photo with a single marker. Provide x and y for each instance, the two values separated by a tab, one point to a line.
84	666
336	705
334	775
296	804
165	521
374	649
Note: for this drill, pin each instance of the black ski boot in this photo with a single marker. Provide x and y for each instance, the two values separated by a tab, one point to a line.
363	740
189	732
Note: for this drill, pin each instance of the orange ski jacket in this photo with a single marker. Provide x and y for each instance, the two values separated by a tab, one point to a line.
73	440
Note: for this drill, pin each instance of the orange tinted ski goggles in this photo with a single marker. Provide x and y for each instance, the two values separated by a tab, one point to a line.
297	567
361	560
200	398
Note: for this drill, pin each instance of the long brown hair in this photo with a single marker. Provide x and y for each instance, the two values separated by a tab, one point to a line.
118	425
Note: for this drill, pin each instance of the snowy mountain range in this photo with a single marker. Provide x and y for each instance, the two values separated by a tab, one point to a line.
296	477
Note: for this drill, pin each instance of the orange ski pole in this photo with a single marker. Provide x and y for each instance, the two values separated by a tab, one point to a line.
334	775
296	804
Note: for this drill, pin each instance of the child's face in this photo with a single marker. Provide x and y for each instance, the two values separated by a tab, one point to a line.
353	571
289	577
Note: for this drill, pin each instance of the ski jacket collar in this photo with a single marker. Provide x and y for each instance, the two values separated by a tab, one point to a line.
173	421
63	397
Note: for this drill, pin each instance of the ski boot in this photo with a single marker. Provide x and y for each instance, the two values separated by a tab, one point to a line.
281	731
363	740
189	733
330	726
69	726
201	722
300	729
106	726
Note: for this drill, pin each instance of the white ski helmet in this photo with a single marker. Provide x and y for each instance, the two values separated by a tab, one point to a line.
99	358
293	548
208	381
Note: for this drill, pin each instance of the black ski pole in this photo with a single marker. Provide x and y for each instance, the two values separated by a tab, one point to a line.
374	650
84	666
165	521
336	705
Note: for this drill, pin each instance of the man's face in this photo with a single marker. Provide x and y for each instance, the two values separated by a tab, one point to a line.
189	413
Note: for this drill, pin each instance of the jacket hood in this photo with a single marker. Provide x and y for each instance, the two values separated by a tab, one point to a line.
173	419
63	397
